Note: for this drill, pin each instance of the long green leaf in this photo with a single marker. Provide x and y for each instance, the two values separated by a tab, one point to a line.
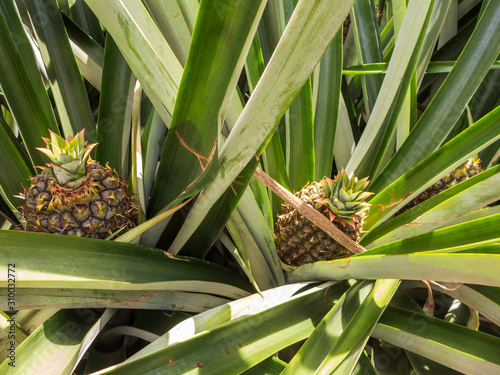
291	65
83	16
357	332
190	155
53	348
367	42
52	298
223	314
16	169
483	299
466	252
146	51
115	110
375	139
439	211
65	79
340	337
247	341
270	366
460	348
88	53
25	92
326	111
448	104
439	14
453	236
48	261
473	268
444	160
174	26
300	137
432	67
206	233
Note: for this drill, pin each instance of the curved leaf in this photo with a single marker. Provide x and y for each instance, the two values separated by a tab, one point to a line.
480	52
49	261
65	79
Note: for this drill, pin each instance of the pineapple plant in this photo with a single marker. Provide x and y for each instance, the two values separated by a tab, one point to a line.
341	200
75	195
465	171
140	288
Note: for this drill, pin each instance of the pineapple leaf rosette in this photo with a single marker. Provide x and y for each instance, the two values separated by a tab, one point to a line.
75	195
342	200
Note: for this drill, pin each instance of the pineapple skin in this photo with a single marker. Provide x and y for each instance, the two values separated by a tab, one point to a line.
101	206
467	170
299	241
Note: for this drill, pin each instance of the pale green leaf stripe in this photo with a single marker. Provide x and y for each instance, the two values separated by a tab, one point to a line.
146	51
472	268
448	157
68	89
391	96
449	102
290	66
48	261
299	125
53	348
457	347
41	298
248	340
99	326
238	250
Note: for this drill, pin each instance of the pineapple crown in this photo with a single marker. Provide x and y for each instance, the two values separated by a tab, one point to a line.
344	197
69	158
470	168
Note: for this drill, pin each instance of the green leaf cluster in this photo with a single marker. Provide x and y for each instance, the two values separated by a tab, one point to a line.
186	99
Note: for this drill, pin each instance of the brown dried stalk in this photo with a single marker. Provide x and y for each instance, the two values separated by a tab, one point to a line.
309	212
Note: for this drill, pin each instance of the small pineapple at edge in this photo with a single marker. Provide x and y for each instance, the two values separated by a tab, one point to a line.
465	171
342	200
75	195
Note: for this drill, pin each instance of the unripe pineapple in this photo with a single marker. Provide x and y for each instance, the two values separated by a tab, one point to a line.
75	195
470	168
342	200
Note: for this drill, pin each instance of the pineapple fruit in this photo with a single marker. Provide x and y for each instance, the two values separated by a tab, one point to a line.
470	168
342	200
75	195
